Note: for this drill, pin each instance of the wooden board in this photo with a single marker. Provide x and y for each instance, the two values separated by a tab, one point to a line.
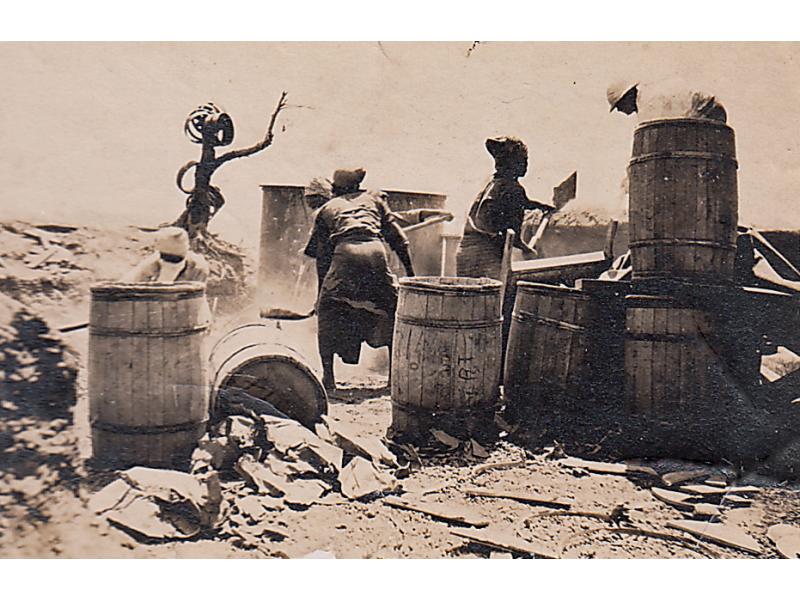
441	512
502	540
786	539
673	498
519	496
725	535
606	468
709	490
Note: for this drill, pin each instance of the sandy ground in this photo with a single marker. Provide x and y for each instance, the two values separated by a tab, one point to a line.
54	521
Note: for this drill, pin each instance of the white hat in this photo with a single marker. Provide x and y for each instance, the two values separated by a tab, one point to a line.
618	90
172	240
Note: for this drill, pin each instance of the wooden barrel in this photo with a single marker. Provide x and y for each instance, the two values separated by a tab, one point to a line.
548	346
248	362
683	200
148	397
669	366
606	340
730	317
445	356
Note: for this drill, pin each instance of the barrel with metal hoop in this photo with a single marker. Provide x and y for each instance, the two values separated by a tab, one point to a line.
250	363
446	355
548	351
148	397
669	364
683	200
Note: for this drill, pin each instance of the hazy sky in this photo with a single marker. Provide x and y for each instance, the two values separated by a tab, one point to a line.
94	131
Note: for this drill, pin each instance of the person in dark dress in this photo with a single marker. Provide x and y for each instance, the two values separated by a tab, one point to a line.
500	206
357	296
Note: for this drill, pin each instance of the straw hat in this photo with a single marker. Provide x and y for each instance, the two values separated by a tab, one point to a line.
172	240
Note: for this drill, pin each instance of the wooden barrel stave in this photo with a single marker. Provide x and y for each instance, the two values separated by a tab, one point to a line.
445	356
147	386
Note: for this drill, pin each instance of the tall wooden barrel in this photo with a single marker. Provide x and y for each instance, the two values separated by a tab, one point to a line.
445	356
683	200
148	397
684	397
248	362
548	346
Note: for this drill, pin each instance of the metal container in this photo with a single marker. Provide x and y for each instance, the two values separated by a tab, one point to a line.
286	222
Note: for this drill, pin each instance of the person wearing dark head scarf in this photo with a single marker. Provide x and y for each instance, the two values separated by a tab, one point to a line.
357	295
500	206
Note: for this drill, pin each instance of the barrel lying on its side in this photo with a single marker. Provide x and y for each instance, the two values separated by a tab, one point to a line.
250	363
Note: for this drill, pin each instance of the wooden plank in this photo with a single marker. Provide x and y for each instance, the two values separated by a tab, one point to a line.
441	512
606	468
706	510
678	477
645	392
661	402
786	539
502	540
139	411
519	496
673	498
710	490
725	535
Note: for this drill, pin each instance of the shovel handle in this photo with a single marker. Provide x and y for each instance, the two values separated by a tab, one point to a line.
432	221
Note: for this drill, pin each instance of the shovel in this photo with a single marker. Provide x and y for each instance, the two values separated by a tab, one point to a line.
283	314
562	193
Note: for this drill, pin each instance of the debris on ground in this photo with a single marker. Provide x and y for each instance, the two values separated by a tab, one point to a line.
503	540
726	535
439	511
607	468
361	478
786	539
678	477
521	496
159	504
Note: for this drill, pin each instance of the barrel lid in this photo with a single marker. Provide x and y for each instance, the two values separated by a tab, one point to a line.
112	290
545	289
452	285
667	121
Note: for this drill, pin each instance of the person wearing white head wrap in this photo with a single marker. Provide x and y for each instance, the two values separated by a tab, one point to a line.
662	100
172	261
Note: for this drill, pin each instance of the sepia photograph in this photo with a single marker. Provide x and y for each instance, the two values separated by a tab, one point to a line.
400	300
